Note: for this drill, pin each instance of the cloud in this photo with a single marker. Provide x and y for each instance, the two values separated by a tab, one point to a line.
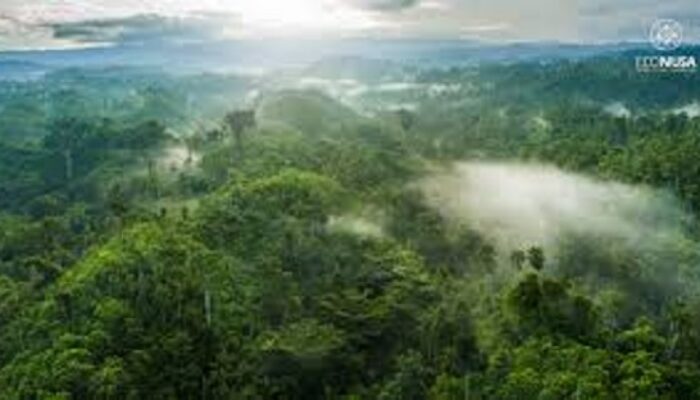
631	19
484	28
83	22
384	5
143	29
16	34
496	19
484	31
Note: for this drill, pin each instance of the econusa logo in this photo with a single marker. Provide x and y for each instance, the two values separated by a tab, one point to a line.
666	35
666	63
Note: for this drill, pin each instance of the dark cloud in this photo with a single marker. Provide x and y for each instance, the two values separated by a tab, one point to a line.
384	5
142	29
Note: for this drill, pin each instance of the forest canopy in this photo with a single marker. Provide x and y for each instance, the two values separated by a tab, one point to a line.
501	231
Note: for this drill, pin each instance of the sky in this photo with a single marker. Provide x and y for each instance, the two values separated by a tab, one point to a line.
50	24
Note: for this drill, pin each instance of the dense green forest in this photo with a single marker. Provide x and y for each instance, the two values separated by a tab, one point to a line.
215	237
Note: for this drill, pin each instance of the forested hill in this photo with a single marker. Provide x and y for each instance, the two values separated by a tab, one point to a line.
519	231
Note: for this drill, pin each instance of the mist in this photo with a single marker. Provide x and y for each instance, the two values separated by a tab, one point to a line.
691	110
355	225
519	205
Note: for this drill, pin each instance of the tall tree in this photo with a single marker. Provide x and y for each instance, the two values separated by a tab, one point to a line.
66	135
536	258
237	122
406	118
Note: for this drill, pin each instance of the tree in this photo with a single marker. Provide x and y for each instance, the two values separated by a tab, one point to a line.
130	318
535	256
517	258
194	144
65	136
542	305
117	201
237	122
409	380
406	118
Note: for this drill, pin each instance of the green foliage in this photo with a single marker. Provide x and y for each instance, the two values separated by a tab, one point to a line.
543	305
137	262
272	207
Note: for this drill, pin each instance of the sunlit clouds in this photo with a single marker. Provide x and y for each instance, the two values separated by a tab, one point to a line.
299	17
31	23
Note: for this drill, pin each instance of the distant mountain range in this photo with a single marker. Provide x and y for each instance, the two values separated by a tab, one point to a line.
18	70
257	56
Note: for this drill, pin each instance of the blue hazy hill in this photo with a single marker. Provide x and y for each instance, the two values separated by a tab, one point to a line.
236	56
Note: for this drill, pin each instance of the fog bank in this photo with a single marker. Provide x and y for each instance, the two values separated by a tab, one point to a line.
519	205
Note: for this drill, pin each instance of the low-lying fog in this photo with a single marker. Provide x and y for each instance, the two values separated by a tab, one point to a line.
520	205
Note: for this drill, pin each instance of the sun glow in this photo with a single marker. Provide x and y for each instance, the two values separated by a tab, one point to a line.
298	17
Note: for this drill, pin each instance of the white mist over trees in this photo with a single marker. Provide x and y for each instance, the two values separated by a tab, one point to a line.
522	204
